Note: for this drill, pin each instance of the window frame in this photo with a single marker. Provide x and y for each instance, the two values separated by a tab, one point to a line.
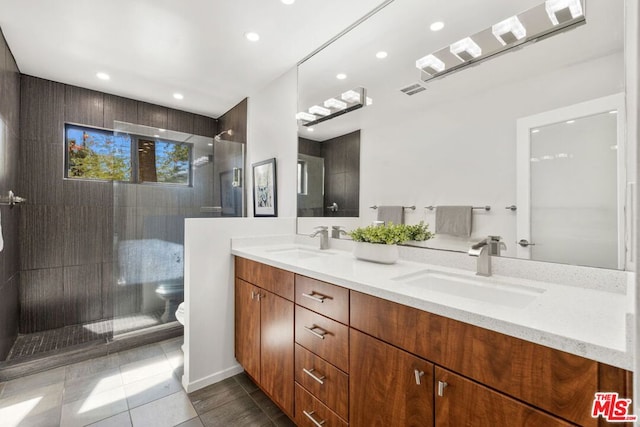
133	155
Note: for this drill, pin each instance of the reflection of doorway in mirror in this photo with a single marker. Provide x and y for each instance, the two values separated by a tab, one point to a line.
574	174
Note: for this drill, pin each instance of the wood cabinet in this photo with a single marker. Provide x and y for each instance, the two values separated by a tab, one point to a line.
461	402
264	333
388	386
310	412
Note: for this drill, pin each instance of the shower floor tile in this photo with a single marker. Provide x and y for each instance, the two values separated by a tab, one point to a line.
28	345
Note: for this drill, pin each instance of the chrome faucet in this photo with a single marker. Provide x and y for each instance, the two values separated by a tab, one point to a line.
323	231
337	231
484	249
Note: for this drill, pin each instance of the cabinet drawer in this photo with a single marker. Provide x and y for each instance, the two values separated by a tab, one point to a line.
460	402
280	282
323	336
560	383
324	298
330	385
310	412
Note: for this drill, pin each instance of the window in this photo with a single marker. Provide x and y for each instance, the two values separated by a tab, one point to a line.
106	155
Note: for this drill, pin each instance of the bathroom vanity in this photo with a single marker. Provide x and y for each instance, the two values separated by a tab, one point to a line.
335	341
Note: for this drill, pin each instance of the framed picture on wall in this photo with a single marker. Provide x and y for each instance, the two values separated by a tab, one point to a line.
264	188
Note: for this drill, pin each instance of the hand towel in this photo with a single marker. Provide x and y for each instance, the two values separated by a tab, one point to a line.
389	214
454	220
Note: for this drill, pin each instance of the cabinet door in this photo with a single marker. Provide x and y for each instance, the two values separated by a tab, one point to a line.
461	402
277	349
247	327
388	386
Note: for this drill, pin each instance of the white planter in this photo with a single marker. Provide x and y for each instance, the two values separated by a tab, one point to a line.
374	252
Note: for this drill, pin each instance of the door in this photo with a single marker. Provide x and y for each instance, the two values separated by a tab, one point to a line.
388	386
277	349
247	324
461	402
572	185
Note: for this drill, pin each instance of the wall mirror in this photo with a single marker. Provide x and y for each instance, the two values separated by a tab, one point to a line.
454	140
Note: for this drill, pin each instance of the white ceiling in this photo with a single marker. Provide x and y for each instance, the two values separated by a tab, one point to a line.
153	48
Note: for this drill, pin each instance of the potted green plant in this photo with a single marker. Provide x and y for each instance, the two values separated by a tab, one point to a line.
378	243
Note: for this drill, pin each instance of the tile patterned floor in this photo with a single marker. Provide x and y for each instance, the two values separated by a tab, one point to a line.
41	342
135	388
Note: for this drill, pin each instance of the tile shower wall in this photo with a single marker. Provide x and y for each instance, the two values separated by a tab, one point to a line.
67	227
9	163
342	174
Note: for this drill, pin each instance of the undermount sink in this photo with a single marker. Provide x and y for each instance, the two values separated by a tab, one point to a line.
299	253
491	290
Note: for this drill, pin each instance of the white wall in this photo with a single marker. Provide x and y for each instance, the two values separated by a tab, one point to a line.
209	331
464	152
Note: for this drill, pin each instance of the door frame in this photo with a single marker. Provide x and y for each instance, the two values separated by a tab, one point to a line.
523	164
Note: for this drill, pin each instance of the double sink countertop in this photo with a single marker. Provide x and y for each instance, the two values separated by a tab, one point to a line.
592	323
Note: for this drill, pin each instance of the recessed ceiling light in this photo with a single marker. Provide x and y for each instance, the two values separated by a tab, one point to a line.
381	55
252	37
570	122
162	130
613	112
156	136
178	95
341	76
535	131
210	144
288	1
103	76
437	26
310	129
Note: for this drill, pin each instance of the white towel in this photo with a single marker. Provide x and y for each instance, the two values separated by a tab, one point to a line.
394	214
454	220
1	239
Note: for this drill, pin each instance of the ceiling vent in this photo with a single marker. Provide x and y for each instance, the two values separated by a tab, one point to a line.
412	89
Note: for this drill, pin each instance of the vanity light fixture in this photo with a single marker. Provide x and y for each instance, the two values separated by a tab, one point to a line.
319	111
307	117
509	31
335	104
351	96
351	100
548	18
430	64
561	11
103	76
465	49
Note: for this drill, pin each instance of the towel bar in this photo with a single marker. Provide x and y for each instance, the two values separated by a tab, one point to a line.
486	208
413	208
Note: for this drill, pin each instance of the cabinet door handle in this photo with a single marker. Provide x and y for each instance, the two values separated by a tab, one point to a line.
312	330
312	375
418	374
315	296
441	387
312	418
255	295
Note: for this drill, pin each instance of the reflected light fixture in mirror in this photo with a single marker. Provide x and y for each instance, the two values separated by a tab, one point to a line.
350	100
544	20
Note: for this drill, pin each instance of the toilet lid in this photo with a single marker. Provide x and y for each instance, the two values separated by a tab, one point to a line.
180	313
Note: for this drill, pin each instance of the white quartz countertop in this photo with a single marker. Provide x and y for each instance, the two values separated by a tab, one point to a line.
592	323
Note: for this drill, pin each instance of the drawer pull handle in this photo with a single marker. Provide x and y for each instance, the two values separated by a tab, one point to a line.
313	329
311	374
313	420
418	375
441	387
314	296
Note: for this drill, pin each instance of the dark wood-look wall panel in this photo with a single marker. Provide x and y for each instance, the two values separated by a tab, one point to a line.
106	279
9	88
309	147
41	300
83	106
41	236
87	193
9	314
204	126
82	293
180	121
41	110
342	173
152	115
236	119
83	234
119	109
42	165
